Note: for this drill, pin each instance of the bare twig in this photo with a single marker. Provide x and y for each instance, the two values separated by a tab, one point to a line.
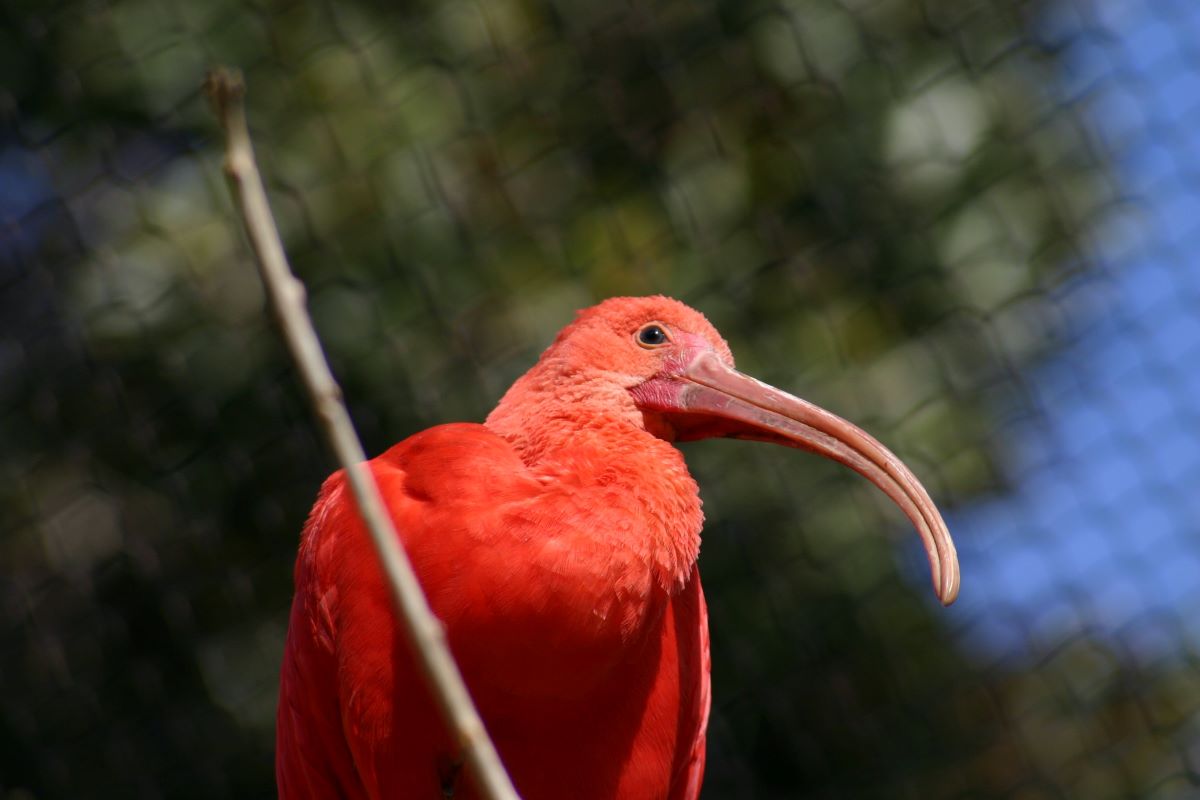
226	90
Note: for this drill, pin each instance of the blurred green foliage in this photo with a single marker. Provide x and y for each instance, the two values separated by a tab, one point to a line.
872	199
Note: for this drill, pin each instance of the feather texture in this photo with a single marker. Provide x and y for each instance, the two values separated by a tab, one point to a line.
586	654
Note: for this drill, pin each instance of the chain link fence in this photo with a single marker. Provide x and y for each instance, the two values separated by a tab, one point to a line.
968	227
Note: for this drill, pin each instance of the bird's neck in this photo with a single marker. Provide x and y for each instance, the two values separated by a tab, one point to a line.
637	485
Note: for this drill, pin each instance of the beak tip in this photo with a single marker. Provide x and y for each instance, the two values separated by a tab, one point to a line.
947	593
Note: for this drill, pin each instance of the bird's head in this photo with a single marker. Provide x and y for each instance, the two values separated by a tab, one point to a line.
663	362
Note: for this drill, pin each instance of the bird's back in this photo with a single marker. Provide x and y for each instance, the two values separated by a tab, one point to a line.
592	679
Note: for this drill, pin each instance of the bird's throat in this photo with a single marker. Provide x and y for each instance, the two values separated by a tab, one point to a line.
641	505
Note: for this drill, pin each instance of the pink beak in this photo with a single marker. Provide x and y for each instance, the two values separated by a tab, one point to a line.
708	399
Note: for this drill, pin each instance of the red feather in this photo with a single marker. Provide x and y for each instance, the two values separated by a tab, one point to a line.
588	673
557	543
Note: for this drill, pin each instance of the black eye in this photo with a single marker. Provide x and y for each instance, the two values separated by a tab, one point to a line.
652	336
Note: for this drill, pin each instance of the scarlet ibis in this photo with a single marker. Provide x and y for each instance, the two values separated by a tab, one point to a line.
557	542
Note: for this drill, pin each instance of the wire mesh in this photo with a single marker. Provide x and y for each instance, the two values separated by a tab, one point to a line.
966	226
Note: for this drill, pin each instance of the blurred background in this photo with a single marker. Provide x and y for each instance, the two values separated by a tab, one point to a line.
968	226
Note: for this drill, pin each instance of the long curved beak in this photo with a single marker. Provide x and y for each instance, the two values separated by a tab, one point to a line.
716	400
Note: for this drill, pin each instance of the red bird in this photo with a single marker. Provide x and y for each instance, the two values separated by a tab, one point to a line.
557	542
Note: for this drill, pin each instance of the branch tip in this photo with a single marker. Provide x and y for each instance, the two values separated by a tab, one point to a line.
225	88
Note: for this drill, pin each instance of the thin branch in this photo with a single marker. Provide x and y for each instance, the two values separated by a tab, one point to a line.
226	90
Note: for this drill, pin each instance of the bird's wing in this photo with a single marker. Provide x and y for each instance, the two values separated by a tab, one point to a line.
337	686
690	775
312	757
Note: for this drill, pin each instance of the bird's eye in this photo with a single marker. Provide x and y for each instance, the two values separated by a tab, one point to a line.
652	335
